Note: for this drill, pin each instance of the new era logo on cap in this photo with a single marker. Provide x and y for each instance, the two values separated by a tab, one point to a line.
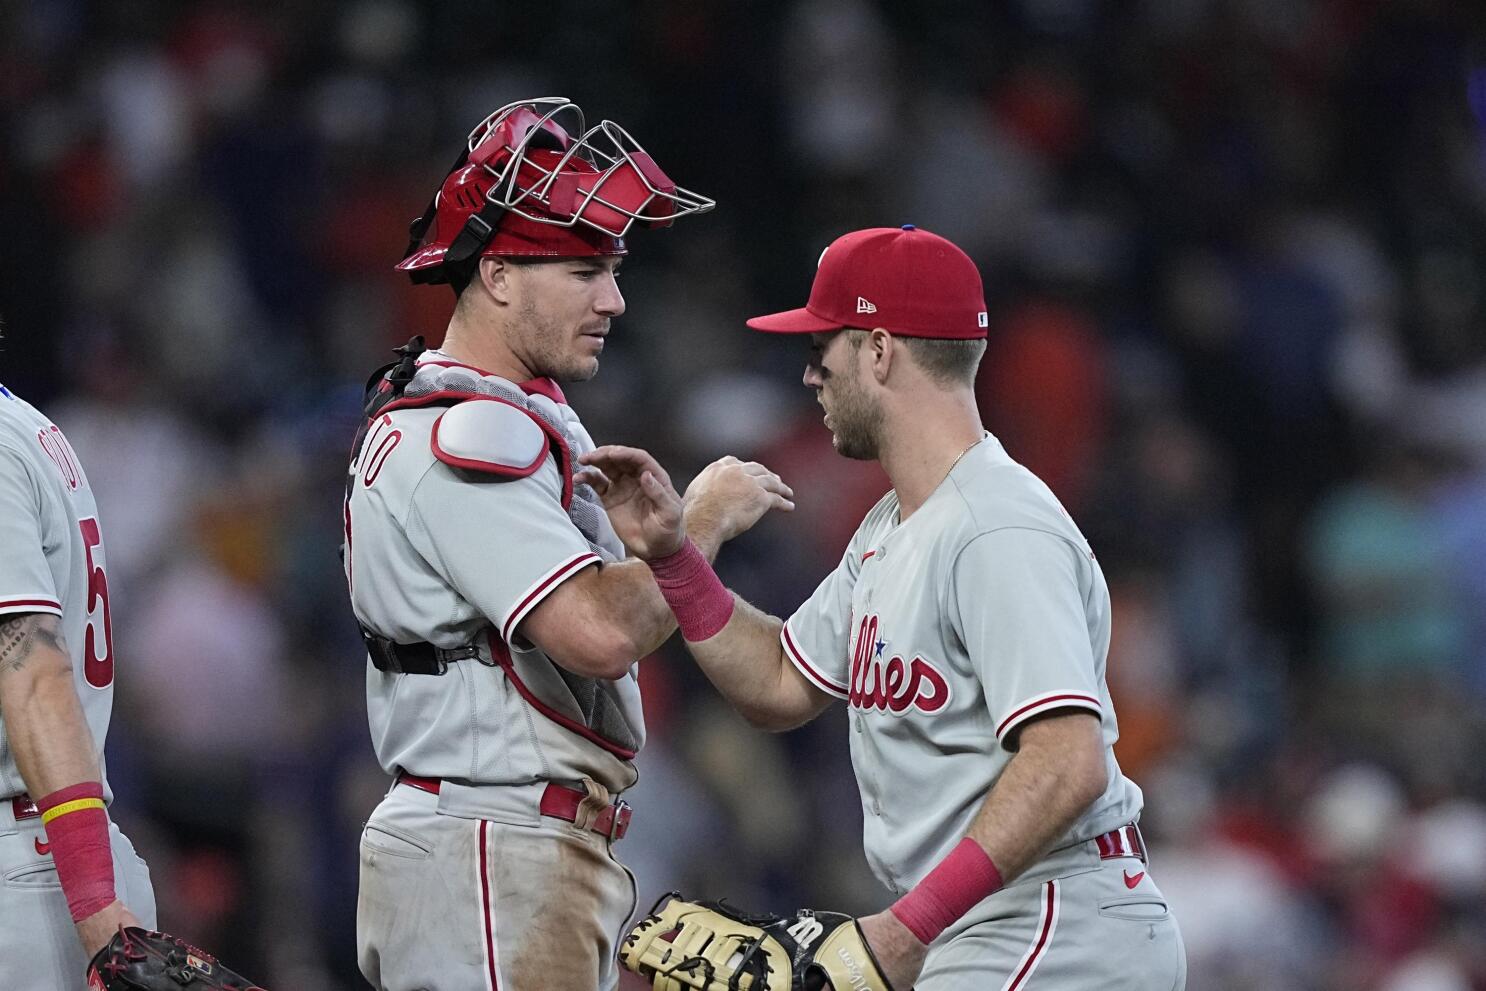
865	306
982	319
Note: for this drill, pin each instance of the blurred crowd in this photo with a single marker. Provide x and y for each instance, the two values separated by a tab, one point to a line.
1235	253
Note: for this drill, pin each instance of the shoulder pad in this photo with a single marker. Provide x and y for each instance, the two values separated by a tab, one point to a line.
490	435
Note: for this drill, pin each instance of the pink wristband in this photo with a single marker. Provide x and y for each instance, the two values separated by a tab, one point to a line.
695	594
948	891
77	829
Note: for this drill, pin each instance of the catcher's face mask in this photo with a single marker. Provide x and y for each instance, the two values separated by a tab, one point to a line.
533	180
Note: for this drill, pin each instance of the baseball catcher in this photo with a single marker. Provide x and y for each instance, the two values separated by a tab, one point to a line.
139	960
711	945
502	614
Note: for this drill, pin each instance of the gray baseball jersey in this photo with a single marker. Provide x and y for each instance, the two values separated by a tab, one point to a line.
457	526
944	634
53	561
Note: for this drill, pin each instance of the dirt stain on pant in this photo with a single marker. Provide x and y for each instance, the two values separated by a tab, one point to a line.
566	943
576	907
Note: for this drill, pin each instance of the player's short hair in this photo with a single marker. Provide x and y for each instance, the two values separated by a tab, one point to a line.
461	278
946	362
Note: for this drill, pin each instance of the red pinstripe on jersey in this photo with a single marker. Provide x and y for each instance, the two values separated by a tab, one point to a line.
544	587
1052	700
31	605
806	668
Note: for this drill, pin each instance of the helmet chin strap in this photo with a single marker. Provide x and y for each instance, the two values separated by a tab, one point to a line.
464	252
477	232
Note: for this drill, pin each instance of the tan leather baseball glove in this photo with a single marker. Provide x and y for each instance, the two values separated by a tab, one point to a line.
711	946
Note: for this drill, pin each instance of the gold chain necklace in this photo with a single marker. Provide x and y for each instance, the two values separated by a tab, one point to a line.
959	457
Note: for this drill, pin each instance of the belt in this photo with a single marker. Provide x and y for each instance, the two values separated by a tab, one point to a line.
21	807
558	801
1122	842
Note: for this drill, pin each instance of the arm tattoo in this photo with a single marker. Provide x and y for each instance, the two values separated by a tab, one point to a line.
19	636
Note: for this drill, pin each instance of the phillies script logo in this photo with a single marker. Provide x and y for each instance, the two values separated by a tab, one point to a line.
890	683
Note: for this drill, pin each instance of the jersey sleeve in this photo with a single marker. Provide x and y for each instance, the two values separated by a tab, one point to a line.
817	637
25	580
504	545
1017	604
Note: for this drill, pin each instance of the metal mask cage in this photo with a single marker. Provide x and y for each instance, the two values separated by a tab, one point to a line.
607	148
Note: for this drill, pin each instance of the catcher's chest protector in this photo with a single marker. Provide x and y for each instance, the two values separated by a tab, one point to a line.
461	516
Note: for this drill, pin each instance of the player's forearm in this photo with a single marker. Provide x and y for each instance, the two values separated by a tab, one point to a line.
704	529
745	661
631	601
653	619
43	718
54	752
622	618
1043	791
1057	773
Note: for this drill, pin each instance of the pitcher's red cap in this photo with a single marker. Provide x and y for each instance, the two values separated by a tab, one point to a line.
909	281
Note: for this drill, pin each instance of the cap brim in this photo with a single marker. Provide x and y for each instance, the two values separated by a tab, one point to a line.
800	321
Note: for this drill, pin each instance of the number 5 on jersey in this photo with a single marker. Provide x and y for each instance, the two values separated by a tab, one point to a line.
98	666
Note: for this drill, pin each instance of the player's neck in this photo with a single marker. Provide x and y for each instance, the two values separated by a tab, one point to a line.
922	441
483	346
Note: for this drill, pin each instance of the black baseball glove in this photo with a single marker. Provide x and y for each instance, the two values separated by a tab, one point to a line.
711	946
139	960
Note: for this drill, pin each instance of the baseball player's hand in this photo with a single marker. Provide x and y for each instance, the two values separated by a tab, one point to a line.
97	929
641	502
730	496
898	951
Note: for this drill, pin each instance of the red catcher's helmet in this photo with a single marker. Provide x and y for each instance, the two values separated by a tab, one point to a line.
528	186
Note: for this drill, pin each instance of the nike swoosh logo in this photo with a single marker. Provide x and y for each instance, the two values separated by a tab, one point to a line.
1132	880
42	848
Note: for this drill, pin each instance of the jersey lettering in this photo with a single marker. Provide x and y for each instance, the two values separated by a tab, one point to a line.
891	684
98	668
60	453
380	443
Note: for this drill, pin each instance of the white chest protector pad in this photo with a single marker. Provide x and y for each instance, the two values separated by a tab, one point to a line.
490	435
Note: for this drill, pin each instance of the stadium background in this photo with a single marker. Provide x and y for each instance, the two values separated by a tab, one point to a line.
1234	253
